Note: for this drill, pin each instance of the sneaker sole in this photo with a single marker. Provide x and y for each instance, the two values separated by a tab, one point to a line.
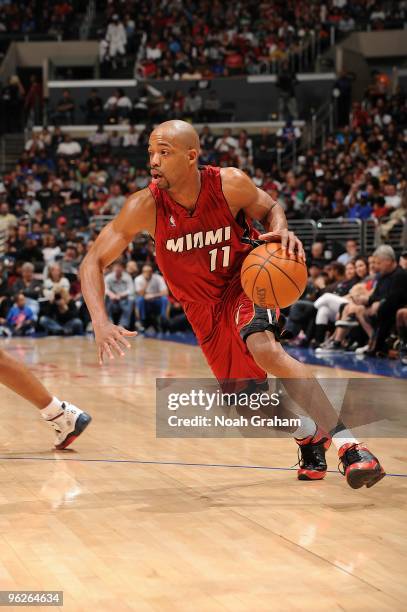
310	475
81	424
359	477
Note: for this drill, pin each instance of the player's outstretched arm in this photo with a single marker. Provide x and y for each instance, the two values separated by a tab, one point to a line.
138	214
241	193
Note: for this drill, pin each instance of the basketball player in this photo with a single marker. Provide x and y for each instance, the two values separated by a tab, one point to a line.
67	420
201	222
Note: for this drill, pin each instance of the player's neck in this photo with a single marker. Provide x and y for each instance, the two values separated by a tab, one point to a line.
186	195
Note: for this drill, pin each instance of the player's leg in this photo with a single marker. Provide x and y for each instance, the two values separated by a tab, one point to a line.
255	325
242	320
360	466
67	420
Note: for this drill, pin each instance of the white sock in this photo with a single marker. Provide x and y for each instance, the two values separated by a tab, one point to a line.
53	409
344	437
307	428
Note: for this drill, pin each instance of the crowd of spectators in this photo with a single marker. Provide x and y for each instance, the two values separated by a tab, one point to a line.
353	303
51	204
54	18
148	105
201	39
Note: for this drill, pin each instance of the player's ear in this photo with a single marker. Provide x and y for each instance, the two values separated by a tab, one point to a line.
193	155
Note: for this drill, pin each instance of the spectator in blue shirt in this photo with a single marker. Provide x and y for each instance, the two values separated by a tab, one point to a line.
361	209
20	318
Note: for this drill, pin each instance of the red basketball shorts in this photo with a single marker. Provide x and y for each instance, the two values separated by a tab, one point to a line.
222	329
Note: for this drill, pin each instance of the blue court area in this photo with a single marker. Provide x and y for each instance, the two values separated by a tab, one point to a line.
338	359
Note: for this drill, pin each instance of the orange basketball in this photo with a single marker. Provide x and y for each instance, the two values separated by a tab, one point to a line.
272	278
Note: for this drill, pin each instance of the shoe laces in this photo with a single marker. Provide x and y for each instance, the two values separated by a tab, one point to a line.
309	453
351	455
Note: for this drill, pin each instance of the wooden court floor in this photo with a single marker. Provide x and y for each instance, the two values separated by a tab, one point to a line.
123	521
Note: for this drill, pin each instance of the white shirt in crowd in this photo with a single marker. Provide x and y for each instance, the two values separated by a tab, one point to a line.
98	138
393	201
122	285
153	53
130	140
69	148
50	254
114	101
34	141
52	287
116	34
222	144
31	206
155	285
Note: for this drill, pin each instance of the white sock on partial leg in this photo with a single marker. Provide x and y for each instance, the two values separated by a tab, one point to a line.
53	409
307	428
344	437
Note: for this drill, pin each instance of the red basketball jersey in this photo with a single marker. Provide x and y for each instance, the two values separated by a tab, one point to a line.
200	253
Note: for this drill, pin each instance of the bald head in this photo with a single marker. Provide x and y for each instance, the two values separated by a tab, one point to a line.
173	151
178	133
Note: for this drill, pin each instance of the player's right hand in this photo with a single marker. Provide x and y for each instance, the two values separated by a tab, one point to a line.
111	339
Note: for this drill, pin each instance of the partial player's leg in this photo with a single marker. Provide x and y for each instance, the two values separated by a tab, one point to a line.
67	420
229	358
360	466
313	441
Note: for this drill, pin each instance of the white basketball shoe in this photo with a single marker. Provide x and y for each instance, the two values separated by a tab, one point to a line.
69	423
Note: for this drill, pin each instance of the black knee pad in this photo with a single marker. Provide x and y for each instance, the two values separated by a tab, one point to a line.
264	319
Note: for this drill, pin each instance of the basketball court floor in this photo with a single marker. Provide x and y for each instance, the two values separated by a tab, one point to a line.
128	521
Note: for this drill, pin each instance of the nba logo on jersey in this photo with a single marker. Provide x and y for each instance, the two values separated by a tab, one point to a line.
172	221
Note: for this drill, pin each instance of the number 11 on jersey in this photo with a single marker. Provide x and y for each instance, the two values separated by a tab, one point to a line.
214	256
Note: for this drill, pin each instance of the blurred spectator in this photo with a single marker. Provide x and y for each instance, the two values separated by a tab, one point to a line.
114	201
343	87
211	106
50	249
350	253
99	139
34	101
12	98
132	269
131	138
31	204
62	318
151	295
117	39
65	109
225	142
69	263
69	147
94	108
318	254
7	219
115	140
289	132
193	103
287	101
20	318
28	286
55	282
119	295
118	106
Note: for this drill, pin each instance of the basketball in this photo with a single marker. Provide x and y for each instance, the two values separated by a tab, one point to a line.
272	278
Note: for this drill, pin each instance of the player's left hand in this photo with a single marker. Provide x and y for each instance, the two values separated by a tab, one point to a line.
288	240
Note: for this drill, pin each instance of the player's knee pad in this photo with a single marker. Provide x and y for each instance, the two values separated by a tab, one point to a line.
264	319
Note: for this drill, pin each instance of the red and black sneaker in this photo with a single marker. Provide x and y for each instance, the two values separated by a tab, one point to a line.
359	466
312	455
